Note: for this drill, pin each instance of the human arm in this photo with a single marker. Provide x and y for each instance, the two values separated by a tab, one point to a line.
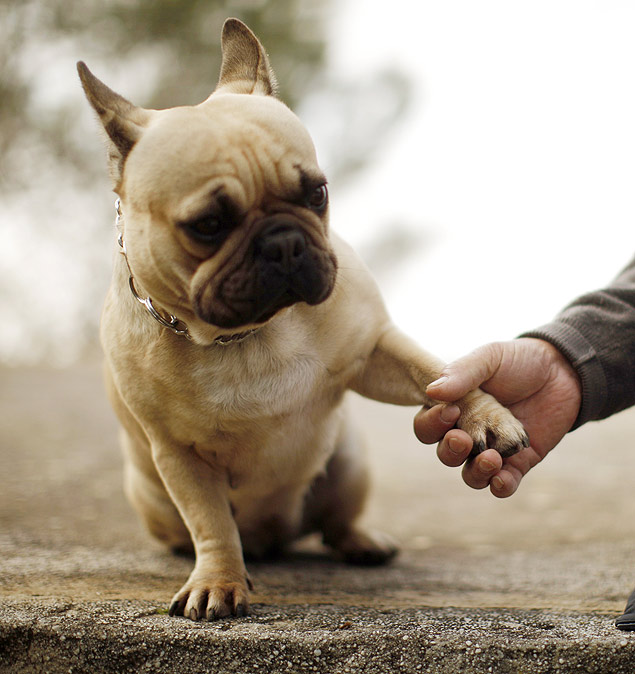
578	368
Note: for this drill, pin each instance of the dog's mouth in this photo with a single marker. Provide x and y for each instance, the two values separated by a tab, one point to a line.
284	266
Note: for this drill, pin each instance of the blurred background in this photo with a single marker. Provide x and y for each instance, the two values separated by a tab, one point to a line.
481	156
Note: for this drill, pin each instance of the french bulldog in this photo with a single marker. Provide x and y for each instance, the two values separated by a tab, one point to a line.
234	326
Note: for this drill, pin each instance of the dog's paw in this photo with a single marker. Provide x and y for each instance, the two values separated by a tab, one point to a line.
208	598
490	425
364	548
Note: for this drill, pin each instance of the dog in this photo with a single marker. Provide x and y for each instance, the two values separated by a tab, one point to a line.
234	326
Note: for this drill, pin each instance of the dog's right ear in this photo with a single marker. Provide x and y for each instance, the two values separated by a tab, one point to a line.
122	121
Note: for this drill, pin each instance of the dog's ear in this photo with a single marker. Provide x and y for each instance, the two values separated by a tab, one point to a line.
122	121
245	67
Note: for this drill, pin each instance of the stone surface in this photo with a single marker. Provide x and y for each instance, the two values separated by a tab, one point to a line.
529	584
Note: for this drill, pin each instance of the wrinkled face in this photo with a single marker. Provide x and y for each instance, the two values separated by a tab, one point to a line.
226	212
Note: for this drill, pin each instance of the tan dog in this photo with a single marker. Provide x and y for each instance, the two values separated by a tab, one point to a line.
235	324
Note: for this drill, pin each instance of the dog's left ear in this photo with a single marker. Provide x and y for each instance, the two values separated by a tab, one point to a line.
245	66
122	121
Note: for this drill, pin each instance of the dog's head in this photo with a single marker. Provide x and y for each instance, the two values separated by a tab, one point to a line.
225	209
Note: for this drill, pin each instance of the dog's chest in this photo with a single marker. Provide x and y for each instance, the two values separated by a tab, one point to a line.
262	423
235	390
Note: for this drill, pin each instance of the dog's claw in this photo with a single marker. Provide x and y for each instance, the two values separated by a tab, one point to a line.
477	448
214	615
211	601
490	425
511	449
505	450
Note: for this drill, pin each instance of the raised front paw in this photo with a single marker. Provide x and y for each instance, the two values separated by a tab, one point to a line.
211	598
490	425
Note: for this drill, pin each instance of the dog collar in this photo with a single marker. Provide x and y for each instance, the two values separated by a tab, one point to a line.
171	322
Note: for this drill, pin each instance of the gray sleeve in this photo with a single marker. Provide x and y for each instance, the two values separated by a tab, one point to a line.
596	333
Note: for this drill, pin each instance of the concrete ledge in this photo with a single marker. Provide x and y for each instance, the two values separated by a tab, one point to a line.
122	636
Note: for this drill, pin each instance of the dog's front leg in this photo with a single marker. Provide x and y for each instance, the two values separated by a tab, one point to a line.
218	585
398	371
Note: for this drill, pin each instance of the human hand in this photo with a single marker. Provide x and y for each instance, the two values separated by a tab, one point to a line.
529	376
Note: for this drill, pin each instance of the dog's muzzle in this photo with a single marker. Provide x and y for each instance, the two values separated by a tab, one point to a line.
286	263
283	247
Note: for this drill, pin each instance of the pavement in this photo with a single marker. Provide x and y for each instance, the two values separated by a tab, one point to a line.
527	584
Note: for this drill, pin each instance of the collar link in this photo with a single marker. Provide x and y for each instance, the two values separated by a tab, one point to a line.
171	322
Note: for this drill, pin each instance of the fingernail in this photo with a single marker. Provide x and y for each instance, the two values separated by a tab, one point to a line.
486	466
455	446
438	382
450	414
497	483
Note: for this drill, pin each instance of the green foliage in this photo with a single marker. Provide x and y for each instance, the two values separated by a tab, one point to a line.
181	37
189	31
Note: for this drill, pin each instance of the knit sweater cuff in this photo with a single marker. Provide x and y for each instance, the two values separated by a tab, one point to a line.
584	360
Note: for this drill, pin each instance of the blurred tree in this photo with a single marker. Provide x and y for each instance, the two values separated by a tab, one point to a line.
178	40
185	35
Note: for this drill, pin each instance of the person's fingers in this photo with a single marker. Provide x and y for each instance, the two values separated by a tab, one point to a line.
478	472
430	425
505	483
455	447
467	373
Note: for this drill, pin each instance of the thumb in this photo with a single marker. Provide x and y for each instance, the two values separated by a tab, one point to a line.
467	373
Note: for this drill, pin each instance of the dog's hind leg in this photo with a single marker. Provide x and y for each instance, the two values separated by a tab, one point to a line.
337	499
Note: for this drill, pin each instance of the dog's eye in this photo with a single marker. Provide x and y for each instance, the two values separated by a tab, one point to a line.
318	198
206	230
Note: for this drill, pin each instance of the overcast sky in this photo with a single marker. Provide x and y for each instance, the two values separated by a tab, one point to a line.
518	153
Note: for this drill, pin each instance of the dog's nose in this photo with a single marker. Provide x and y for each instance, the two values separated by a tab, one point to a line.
283	247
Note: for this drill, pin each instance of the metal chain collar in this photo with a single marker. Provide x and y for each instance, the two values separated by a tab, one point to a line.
171	322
